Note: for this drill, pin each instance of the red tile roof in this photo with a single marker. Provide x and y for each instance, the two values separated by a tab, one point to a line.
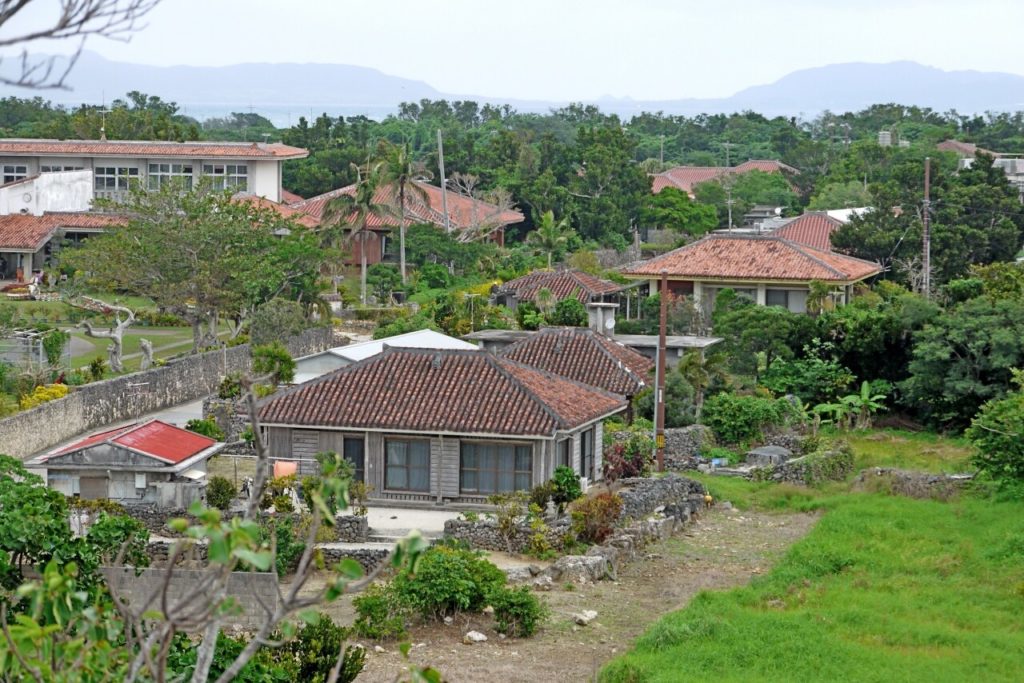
290	197
148	149
561	283
28	232
442	391
756	258
581	354
686	178
814	229
286	211
463	212
966	149
155	439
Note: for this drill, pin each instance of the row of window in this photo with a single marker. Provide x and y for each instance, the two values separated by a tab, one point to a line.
110	178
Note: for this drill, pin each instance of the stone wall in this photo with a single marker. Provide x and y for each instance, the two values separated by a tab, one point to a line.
922	485
684	446
352	528
250	590
643	496
484	534
368	557
834	464
131	396
347	528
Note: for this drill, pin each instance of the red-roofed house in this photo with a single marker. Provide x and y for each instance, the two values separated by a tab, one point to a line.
26	240
561	283
813	229
436	426
769	269
464	214
149	463
686	178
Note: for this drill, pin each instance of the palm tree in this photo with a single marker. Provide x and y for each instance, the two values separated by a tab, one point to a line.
701	372
399	175
550	237
355	211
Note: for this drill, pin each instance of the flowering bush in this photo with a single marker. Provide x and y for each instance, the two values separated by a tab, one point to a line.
43	394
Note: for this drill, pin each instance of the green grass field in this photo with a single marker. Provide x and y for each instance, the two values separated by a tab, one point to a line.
883	589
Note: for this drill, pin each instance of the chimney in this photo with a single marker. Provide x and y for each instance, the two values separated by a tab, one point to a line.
601	317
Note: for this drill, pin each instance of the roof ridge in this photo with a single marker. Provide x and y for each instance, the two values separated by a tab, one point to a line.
799	248
496	363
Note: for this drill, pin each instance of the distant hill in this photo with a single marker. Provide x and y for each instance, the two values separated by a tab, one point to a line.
286	91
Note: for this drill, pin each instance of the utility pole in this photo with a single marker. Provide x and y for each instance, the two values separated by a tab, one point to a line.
728	203
661	154
926	260
659	414
728	146
444	183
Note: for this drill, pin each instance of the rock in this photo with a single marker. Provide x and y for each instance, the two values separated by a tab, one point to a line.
473	637
378	649
518	574
579	568
610	554
726	505
585	617
543	583
488	610
448	621
535	570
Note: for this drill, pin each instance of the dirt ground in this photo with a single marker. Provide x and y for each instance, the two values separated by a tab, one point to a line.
726	548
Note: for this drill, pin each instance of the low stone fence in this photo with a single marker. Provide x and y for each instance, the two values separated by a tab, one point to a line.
484	534
835	464
352	528
368	557
643	496
347	528
922	485
685	445
253	592
131	396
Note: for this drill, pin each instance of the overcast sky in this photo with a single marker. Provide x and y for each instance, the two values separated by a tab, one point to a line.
569	49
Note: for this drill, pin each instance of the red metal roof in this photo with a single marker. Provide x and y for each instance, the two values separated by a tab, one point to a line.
148	149
581	354
426	390
463	212
154	439
561	283
814	229
757	258
28	232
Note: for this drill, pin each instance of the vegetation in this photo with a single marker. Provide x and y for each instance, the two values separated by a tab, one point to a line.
594	516
220	492
207	427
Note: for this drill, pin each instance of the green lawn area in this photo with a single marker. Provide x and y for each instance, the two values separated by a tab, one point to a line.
160	336
883	589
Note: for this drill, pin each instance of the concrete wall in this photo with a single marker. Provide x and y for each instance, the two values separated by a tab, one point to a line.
250	590
131	396
65	191
264	179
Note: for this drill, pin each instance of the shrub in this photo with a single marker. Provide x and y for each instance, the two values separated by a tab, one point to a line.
43	394
380	614
567	485
995	433
289	545
54	342
717	452
510	509
277	320
542	493
312	653
629	457
594	517
220	492
569	312
738	419
208	428
97	368
273	359
449	580
517	611
230	386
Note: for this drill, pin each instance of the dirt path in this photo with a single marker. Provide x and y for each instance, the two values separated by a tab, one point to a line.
725	549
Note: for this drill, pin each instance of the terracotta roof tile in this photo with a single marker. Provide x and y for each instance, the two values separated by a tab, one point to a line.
813	229
463	212
286	211
967	149
686	178
757	258
462	392
581	354
28	232
766	166
290	197
561	283
142	148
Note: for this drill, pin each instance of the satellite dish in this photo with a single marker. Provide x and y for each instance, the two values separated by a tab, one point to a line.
609	324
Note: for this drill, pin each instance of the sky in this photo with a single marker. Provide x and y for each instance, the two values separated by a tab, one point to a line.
570	49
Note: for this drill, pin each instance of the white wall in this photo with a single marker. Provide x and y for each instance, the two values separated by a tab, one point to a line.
66	191
265	179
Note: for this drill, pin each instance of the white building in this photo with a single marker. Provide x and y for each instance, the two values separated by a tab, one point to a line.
115	164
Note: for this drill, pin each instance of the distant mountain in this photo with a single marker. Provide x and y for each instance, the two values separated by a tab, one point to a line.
285	91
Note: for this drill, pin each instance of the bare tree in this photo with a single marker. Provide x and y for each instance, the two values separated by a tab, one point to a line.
488	209
68	20
116	332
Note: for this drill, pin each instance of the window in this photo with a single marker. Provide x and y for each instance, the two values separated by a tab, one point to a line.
162	174
776	297
58	168
14	172
407	465
564	453
354	454
113	178
227	176
587	453
495	468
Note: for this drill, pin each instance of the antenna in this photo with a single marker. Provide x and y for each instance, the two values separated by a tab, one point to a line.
103	122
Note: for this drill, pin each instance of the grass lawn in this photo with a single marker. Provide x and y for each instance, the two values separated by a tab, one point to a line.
160	336
883	589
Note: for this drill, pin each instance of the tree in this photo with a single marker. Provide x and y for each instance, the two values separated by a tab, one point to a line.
399	176
997	432
963	359
550	237
672	209
840	195
355	211
273	359
384	280
569	312
200	255
277	320
753	332
72	19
